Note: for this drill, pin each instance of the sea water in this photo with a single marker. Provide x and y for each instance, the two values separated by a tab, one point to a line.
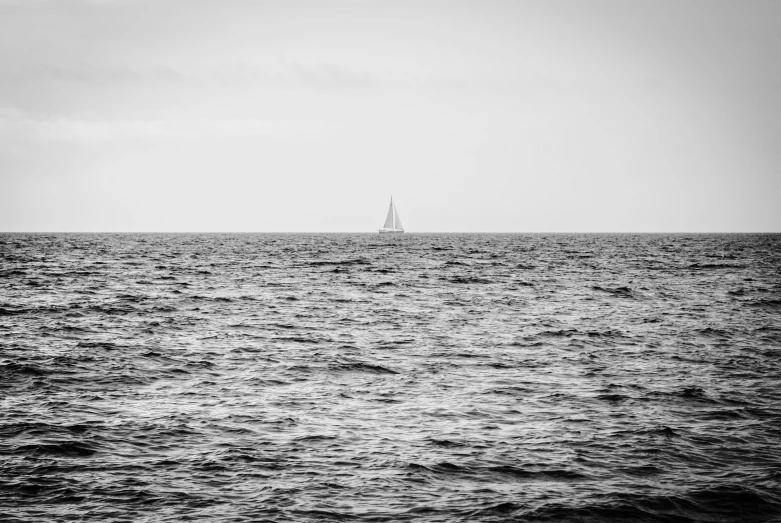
415	377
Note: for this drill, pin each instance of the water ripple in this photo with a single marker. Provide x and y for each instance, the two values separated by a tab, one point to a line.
367	378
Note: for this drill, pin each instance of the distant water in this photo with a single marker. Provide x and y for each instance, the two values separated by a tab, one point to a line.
404	378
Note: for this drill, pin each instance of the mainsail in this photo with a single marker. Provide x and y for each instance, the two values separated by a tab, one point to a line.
389	219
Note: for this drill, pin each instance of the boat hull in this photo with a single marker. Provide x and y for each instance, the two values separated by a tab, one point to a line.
385	231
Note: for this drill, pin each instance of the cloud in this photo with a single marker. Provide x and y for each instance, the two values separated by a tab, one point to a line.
18	126
327	76
87	74
331	77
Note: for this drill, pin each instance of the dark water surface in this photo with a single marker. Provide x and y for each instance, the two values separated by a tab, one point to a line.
375	378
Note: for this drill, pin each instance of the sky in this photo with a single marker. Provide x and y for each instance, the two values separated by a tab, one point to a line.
308	115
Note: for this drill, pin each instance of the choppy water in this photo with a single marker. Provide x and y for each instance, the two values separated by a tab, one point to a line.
376	378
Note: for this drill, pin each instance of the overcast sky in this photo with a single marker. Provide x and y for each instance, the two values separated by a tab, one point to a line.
482	115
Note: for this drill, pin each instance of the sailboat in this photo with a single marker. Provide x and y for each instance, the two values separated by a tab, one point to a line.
392	221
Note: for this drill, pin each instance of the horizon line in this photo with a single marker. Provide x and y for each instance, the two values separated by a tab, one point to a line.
395	236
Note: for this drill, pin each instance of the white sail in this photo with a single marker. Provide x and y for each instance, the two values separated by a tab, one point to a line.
392	221
397	222
389	219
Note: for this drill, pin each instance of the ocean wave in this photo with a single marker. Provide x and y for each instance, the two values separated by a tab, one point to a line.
365	378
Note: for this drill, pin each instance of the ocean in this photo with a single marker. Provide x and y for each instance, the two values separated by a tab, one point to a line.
366	377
